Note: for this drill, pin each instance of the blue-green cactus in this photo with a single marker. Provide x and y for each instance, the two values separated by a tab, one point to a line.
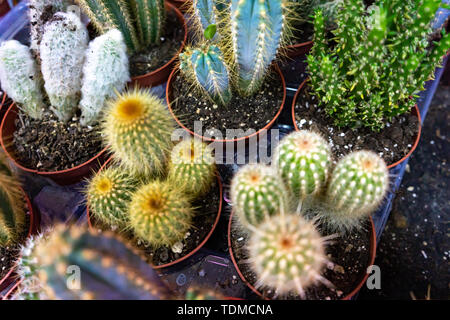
205	13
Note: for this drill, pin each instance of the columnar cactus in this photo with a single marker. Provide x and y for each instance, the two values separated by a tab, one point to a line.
192	166
74	264
63	48
20	78
204	13
160	214
205	68
108	196
287	254
105	72
302	159
150	17
137	128
257	192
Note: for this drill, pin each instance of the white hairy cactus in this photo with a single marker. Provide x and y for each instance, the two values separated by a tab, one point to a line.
104	72
63	49
20	78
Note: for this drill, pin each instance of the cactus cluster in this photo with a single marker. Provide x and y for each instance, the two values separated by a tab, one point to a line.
70	263
379	58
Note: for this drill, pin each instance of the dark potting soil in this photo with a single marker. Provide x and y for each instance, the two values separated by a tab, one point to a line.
51	145
244	113
158	55
349	256
392	143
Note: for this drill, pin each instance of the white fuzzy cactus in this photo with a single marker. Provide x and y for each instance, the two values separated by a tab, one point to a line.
20	78
104	73
63	49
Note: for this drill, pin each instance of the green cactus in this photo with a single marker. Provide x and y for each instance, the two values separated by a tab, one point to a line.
257	192
108	268
192	166
160	214
137	128
108	195
150	17
303	159
20	78
287	253
199	293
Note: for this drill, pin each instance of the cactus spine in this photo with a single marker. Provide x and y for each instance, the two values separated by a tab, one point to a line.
20	78
257	192
109	194
137	128
105	71
150	16
192	166
63	47
205	13
160	214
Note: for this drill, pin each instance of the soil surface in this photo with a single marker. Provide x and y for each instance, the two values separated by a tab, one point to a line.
245	113
50	145
156	56
349	256
392	143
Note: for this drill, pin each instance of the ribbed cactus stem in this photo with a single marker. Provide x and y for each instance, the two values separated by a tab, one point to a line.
63	49
20	78
205	13
150	17
105	72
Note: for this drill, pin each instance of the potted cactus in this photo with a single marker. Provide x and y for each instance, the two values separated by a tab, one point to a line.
154	30
363	85
165	199
286	214
59	97
227	80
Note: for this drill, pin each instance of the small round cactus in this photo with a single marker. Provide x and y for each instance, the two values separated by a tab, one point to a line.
108	196
303	159
256	193
192	166
160	214
138	128
358	185
287	253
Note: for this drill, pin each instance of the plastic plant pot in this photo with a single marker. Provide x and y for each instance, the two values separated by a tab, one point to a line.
299	49
216	221
62	177
415	111
372	253
160	75
170	98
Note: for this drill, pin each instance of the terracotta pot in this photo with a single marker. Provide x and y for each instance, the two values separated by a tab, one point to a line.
62	177
415	111
299	49
160	75
107	163
4	7
372	253
10	277
266	127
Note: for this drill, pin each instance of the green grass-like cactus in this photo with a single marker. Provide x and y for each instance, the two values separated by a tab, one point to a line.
160	214
287	253
150	17
192	166
302	159
257	192
137	128
108	195
20	78
75	264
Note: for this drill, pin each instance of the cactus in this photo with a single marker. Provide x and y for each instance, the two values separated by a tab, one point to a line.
137	129
108	268
205	68
105	71
257	192
205	13
192	166
112	14
358	185
200	293
63	48
287	253
20	78
108	196
302	159
160	214
150	17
